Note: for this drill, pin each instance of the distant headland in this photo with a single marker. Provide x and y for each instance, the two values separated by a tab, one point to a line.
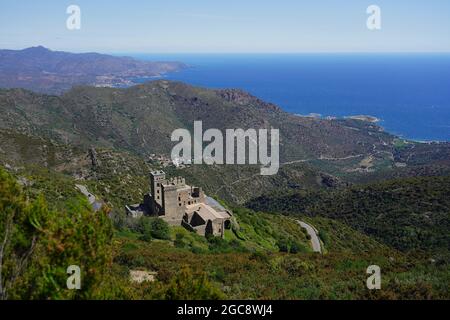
364	118
43	70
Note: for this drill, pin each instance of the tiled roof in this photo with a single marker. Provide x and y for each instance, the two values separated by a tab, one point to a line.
206	212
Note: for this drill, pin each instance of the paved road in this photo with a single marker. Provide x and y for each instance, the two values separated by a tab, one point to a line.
315	242
96	205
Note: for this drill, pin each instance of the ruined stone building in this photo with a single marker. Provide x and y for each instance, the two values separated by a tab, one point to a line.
180	204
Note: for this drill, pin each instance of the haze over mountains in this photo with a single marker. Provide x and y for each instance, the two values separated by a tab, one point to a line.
43	70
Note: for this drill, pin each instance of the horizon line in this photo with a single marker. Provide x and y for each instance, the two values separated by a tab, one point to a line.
113	52
280	53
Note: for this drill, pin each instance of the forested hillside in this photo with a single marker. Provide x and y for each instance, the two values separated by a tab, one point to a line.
409	214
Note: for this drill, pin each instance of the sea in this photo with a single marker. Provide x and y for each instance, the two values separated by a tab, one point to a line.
408	93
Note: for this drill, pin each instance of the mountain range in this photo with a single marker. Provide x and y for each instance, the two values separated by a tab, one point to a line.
43	70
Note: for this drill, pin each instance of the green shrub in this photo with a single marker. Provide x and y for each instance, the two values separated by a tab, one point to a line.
323	235
283	245
260	256
160	229
179	241
295	247
145	229
150	228
296	267
217	244
189	286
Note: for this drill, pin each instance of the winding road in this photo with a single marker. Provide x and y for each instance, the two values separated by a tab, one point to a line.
315	242
96	205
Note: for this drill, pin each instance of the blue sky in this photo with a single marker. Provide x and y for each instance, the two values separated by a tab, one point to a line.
181	26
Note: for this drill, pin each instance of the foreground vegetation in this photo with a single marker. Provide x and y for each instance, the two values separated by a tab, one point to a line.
264	256
275	275
39	243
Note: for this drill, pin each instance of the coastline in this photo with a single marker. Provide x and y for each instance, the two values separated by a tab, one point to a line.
363	117
374	120
360	117
366	118
302	84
